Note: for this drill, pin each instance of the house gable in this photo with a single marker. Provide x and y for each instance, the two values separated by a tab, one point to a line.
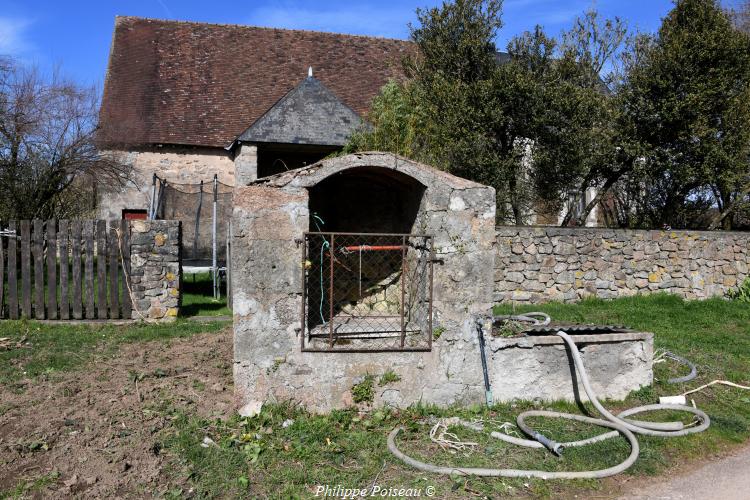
308	114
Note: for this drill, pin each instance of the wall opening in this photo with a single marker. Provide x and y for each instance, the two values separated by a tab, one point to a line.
277	158
366	200
368	284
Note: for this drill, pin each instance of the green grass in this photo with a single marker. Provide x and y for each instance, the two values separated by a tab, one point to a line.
260	457
197	297
61	347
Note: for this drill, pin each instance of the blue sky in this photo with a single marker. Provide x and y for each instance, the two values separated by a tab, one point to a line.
75	36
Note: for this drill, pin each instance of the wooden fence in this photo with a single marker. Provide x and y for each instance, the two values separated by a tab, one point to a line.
67	269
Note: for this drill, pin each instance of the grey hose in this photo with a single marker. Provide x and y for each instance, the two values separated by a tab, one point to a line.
628	428
687	378
535	318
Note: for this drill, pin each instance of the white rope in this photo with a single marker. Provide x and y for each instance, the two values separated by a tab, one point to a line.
715	382
439	434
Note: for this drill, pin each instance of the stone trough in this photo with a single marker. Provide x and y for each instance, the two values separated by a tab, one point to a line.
537	365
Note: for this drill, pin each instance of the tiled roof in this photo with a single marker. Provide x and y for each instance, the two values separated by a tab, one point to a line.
173	82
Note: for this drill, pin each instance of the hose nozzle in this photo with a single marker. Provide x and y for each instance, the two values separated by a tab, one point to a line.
552	446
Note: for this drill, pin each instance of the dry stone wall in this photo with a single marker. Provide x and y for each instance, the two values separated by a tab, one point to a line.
155	269
537	264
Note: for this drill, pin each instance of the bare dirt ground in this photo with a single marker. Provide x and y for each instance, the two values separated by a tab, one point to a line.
94	429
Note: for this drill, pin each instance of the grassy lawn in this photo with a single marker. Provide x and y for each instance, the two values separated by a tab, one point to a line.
197	297
286	452
261	456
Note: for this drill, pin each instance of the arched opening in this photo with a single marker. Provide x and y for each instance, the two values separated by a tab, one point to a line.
368	273
366	200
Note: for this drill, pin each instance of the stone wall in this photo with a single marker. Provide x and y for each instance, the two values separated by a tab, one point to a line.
537	264
155	268
183	165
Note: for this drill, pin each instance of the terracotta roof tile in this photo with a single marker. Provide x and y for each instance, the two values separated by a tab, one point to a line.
174	82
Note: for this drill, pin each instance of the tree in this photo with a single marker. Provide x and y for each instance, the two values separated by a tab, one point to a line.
685	117
49	164
574	148
533	125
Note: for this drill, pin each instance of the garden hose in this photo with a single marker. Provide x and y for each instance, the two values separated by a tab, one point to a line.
619	423
687	378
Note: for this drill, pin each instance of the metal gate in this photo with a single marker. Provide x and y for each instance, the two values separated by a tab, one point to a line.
365	292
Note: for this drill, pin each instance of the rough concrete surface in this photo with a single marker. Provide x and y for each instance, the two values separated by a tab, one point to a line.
269	219
541	368
725	479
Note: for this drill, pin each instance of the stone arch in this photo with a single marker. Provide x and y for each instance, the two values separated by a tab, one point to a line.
366	199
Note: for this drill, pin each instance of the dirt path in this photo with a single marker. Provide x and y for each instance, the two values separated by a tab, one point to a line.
95	429
724	479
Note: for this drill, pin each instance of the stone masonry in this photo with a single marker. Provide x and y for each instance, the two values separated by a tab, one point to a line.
538	264
182	165
269	219
155	269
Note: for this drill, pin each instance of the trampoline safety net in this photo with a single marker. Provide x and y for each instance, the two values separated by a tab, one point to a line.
193	205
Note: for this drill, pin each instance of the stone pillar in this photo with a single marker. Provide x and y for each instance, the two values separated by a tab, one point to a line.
156	268
246	164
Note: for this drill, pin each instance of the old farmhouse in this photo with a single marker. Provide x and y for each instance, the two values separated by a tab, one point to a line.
186	101
190	100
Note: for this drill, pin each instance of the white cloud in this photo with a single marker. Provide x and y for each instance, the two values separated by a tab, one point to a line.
13	39
375	20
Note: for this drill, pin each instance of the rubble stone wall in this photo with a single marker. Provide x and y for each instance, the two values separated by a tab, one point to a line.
182	165
538	264
155	268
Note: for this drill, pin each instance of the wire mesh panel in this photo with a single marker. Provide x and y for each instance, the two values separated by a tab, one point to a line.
367	292
192	204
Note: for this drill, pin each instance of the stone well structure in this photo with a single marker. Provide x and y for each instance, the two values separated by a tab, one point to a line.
369	192
277	356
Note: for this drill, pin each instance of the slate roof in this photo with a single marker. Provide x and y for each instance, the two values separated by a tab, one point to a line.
174	82
308	114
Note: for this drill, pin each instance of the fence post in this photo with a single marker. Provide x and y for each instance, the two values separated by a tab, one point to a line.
12	273
88	233
127	303
77	282
101	269
2	276
114	269
62	242
26	268
38	252
51	269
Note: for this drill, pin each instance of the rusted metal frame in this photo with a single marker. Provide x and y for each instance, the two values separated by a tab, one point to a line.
330	293
403	289
304	293
429	305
